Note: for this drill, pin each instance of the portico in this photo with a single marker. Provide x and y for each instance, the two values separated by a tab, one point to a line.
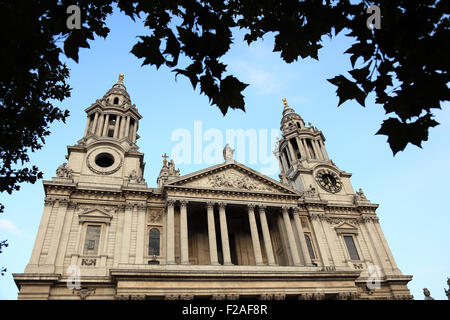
230	231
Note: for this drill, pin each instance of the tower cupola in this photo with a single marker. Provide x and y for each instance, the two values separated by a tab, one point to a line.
301	146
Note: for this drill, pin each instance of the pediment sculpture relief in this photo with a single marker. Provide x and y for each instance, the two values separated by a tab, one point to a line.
235	180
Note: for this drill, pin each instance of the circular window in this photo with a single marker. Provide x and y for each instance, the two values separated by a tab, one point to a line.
104	160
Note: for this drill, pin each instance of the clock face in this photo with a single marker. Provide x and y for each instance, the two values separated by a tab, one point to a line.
329	180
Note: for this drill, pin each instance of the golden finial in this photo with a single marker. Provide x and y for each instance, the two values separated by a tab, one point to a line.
121	77
285	102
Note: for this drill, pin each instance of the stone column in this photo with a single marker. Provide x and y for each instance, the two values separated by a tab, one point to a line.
384	243
57	231
106	126
290	236
301	237
94	124
212	234
254	234
224	235
119	235
305	146
87	126
320	236
184	242
122	127
101	120
135	127
127	128
43	226
317	150
63	242
126	236
170	233
322	145
292	152
140	234
116	127
301	147
266	235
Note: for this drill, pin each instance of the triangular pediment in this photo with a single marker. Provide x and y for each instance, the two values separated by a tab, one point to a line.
99	215
346	227
232	176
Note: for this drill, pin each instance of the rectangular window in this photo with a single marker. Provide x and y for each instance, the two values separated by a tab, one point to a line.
153	243
92	240
310	247
351	247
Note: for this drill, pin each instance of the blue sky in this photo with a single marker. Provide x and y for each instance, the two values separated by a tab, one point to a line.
411	188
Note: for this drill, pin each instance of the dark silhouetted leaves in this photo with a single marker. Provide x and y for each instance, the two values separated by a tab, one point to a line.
401	133
347	90
405	63
149	50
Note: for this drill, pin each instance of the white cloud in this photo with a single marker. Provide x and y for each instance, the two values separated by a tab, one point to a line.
9	227
265	82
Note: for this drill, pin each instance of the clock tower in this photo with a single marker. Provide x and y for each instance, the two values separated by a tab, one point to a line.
304	161
107	154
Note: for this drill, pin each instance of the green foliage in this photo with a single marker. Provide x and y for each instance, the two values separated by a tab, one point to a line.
405	63
3	243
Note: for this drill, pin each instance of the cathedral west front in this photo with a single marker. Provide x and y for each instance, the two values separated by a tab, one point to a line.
225	232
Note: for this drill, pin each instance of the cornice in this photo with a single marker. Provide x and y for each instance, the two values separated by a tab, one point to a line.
201	190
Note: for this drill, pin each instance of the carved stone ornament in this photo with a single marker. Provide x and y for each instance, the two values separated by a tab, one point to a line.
311	296
134	178
311	192
228	153
221	296
88	262
83	292
235	180
64	172
360	195
155	215
427	294
348	295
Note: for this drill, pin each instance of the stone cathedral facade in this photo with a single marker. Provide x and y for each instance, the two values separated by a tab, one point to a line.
224	232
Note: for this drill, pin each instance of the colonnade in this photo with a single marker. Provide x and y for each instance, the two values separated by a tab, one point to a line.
295	252
124	126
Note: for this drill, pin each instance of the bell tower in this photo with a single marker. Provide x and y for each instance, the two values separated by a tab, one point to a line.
107	154
304	161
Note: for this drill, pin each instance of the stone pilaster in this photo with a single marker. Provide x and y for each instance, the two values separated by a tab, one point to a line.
170	232
301	236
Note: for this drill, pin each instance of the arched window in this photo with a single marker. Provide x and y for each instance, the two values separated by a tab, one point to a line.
153	243
116	100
